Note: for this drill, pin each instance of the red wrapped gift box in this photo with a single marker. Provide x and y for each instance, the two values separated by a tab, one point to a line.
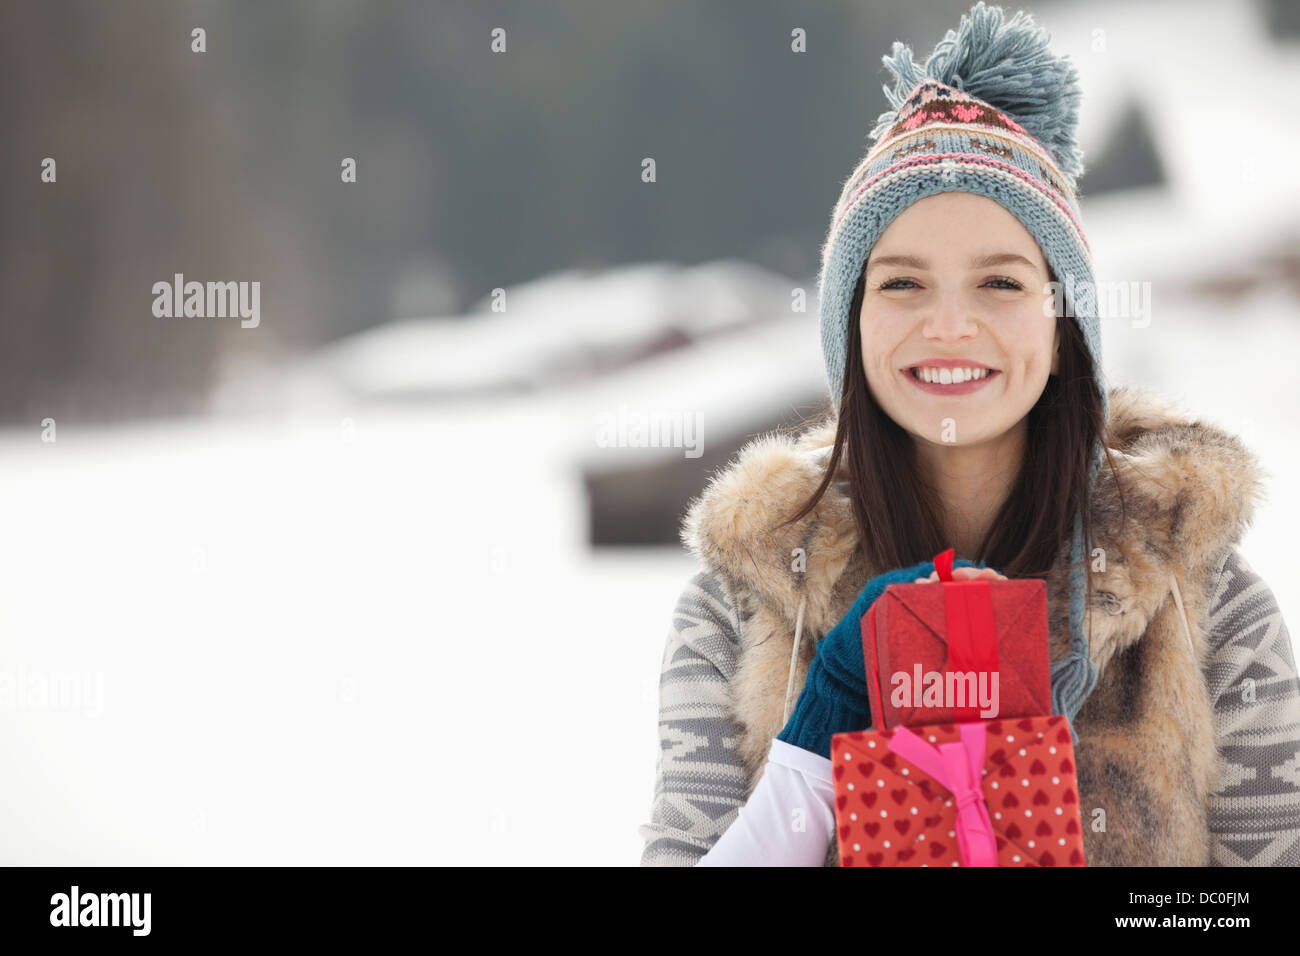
980	793
932	632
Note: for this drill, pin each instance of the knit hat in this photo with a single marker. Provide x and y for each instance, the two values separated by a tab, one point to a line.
992	112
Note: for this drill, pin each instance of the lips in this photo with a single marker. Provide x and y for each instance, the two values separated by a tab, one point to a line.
961	388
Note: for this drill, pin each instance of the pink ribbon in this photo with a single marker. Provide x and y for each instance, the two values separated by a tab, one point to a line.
958	765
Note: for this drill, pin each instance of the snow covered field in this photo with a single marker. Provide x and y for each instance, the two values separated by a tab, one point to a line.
270	644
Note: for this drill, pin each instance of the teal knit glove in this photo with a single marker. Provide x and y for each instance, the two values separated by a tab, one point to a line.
834	697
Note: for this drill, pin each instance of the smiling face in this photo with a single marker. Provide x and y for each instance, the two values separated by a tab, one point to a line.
956	280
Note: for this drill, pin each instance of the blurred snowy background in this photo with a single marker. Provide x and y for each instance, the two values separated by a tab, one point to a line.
364	584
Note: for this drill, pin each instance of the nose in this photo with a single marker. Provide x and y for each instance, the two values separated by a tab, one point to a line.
952	319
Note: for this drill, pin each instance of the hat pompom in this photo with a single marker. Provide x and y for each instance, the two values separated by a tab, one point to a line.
1007	64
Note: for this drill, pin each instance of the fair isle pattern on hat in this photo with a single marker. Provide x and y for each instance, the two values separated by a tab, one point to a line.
993	112
939	123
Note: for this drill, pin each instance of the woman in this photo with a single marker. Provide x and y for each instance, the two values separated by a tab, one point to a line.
962	347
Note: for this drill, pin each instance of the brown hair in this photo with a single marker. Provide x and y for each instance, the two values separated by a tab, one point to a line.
898	516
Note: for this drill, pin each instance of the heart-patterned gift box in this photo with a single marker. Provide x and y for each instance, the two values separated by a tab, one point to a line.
979	793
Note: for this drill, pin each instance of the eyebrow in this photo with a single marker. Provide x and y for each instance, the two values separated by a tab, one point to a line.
980	262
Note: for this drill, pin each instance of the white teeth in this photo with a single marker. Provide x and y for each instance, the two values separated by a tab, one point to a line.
949	376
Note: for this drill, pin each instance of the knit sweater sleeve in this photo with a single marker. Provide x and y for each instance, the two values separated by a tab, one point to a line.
1254	816
700	778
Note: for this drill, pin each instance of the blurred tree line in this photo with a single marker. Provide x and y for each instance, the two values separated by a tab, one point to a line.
475	169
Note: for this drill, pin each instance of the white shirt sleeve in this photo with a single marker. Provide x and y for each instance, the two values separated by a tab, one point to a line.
789	819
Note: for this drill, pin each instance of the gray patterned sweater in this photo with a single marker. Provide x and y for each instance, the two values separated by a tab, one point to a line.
1254	816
